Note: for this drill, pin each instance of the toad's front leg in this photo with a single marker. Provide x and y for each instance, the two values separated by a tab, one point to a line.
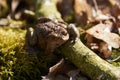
73	33
31	40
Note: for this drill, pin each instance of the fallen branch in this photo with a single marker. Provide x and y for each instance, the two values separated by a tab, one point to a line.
88	62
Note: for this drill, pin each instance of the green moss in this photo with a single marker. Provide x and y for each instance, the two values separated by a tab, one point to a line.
15	64
26	68
116	54
10	44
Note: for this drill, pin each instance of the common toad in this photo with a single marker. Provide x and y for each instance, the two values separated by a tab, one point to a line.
49	34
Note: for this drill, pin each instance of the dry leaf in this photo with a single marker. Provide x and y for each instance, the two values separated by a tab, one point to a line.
3	3
99	16
83	12
92	42
63	70
66	8
4	22
99	32
105	50
115	11
3	8
53	71
56	67
98	46
14	5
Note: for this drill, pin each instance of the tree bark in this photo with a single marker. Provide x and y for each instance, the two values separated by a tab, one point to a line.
88	62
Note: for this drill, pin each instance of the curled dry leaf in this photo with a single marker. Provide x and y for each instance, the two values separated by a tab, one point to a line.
92	42
99	32
98	46
63	70
53	71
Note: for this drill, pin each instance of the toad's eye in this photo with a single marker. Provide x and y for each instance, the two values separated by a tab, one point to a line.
64	32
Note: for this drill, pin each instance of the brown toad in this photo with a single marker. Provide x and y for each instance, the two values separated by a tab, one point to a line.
49	34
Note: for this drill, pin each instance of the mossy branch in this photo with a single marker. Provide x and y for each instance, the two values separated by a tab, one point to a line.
88	62
47	8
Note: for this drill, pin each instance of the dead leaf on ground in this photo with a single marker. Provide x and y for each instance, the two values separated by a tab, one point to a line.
99	32
99	16
115	11
14	5
105	50
3	8
66	8
98	46
4	22
63	70
83	12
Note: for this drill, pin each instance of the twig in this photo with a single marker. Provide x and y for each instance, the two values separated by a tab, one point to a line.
95	4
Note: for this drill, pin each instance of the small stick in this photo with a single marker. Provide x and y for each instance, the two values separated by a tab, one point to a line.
95	4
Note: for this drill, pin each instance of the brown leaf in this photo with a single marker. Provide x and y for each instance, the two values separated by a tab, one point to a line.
115	11
61	70
99	16
4	22
3	8
105	52
92	42
100	32
3	3
83	12
66	8
56	67
14	5
99	46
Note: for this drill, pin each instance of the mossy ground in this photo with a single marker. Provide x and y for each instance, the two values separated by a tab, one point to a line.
15	64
